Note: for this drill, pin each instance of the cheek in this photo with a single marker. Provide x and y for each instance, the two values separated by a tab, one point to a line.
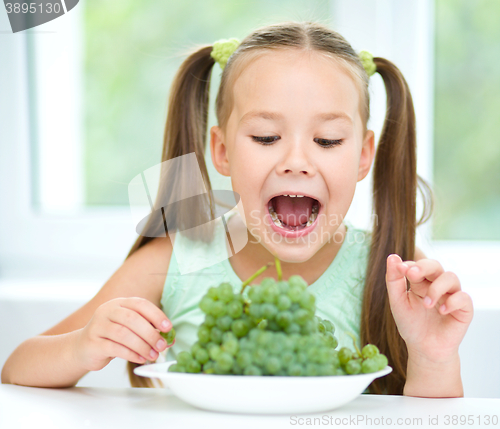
246	173
341	174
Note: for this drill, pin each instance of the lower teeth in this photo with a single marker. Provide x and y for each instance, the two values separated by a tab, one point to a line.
280	224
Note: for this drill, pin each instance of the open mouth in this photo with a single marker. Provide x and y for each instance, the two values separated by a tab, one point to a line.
293	212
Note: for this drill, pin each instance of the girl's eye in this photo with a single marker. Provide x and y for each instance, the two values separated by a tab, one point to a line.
325	143
266	140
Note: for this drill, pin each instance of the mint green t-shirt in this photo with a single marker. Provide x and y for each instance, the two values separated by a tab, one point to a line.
338	291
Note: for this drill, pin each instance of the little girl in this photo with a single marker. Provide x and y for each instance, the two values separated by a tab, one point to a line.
292	110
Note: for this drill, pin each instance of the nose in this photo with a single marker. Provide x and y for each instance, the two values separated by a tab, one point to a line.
296	160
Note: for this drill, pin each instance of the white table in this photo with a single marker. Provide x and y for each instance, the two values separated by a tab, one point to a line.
123	408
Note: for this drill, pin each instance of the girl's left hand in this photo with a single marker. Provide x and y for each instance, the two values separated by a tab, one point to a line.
433	316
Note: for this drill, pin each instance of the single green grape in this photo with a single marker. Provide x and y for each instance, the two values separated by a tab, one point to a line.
295	293
381	360
224	323
307	300
269	311
284	302
252	370
214	352
329	326
169	336
298	281
369	351
213	293
216	335
183	358
301	316
369	365
272	364
195	347
292	328
218	309
225	292
240	328
202	356
295	369
345	355
193	366
244	359
235	309
173	368
230	346
206	304
353	366
210	320
225	361
284	318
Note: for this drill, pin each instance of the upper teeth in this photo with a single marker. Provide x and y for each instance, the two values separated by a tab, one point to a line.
293	196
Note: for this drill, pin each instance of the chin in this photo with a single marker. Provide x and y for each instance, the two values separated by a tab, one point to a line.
292	252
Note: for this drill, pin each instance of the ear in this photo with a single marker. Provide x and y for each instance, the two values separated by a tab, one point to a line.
367	154
218	151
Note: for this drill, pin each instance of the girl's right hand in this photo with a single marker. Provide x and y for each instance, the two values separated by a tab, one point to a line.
124	328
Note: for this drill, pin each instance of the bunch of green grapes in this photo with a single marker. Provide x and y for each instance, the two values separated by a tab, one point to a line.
273	330
369	359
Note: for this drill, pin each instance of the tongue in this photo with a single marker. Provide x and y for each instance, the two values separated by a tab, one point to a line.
293	211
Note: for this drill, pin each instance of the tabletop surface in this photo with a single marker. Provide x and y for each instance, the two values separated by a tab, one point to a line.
85	407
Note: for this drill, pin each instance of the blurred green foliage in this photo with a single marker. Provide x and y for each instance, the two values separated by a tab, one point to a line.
467	116
132	51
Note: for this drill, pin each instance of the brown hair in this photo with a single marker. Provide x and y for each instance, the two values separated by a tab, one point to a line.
395	179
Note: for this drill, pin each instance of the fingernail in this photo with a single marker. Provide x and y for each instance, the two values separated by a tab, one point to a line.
160	344
427	300
165	324
153	354
404	265
443	308
414	270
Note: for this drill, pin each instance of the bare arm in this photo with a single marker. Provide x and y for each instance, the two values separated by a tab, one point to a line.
100	330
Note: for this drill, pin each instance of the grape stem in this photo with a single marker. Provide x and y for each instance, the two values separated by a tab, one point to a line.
278	267
253	276
354	342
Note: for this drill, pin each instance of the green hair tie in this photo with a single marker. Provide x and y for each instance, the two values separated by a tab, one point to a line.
222	50
367	61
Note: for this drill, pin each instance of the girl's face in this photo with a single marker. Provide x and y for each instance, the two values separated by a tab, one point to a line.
295	129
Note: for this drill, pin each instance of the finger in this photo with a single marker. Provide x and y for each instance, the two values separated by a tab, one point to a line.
447	282
149	311
418	288
395	280
460	306
140	326
113	349
122	335
424	269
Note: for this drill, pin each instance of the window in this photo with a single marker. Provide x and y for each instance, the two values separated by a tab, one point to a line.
467	106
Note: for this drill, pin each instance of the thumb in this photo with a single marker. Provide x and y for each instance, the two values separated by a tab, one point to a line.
395	280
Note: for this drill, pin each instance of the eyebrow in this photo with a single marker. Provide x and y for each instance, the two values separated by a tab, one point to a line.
275	116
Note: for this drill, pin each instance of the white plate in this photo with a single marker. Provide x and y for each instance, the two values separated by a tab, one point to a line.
261	394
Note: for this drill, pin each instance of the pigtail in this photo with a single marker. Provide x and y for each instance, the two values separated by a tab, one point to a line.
185	132
395	183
